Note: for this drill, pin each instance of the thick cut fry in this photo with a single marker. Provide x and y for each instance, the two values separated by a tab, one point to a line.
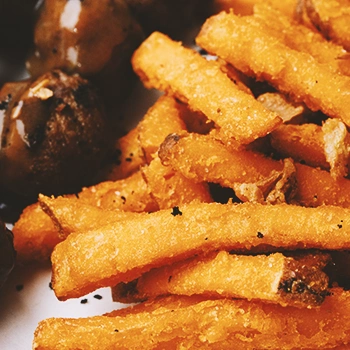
71	215
163	118
164	64
245	44
301	38
201	158
275	278
304	143
332	18
130	194
170	188
113	253
192	323
35	235
317	187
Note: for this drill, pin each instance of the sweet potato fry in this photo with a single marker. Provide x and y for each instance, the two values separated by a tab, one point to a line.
302	38
167	65
163	118
170	188
297	281
72	215
114	253
304	143
332	19
130	194
201	158
246	45
35	235
317	187
192	323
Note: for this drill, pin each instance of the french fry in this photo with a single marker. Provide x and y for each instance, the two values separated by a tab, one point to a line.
113	253
192	323
163	118
35	235
296	280
167	65
201	158
170	188
331	18
130	194
302	38
71	215
317	187
304	143
255	52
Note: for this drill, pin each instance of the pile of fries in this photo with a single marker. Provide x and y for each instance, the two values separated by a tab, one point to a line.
266	267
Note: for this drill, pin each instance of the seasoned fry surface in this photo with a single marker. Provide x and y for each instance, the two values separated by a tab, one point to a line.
210	324
204	87
272	278
113	254
257	53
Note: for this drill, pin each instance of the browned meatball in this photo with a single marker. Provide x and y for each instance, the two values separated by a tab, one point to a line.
93	38
52	134
7	253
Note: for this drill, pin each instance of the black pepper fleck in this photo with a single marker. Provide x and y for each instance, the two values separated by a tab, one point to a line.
98	296
83	301
176	211
116	330
169	279
50	285
128	159
259	235
123	199
340	226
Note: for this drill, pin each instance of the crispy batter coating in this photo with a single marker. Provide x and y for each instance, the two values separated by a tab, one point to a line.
255	52
202	158
275	278
192	323
331	18
166	65
303	38
304	143
113	253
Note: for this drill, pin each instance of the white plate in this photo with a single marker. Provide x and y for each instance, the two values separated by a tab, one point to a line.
22	309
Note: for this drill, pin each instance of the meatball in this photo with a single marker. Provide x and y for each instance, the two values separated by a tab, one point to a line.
93	38
53	134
